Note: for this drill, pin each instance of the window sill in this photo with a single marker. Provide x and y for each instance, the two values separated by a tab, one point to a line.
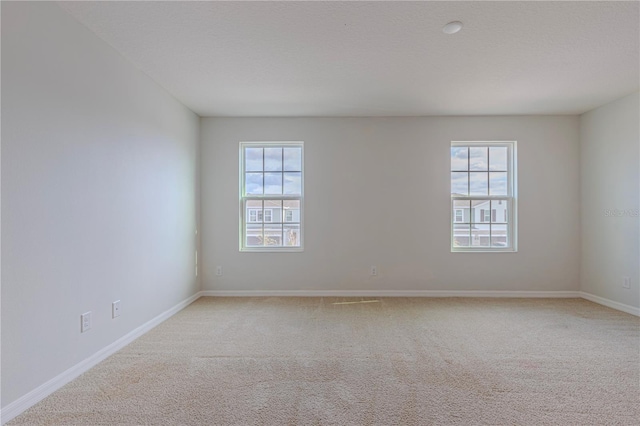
484	250
272	250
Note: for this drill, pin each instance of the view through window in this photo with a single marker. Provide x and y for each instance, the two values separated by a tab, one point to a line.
483	196
271	187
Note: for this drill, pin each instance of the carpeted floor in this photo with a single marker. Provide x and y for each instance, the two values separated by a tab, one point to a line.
310	361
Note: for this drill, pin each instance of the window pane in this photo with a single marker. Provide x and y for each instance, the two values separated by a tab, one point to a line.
460	183
273	183
478	158
498	158
292	235
479	183
254	235
461	235
479	209
253	207
273	159
500	207
459	158
254	204
253	159
499	236
480	236
293	159
461	206
293	183
253	183
274	207
498	183
292	210
272	235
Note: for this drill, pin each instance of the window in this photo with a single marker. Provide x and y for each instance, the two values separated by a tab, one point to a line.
271	188
255	215
483	189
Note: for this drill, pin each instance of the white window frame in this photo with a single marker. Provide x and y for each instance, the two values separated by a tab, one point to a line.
511	198
286	214
244	197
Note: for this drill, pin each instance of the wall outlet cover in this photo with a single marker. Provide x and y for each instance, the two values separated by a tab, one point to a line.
85	322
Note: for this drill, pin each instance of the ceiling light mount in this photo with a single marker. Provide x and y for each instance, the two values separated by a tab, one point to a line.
452	27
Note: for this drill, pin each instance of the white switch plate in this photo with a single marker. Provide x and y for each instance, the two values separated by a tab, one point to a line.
626	282
374	270
85	322
115	309
218	270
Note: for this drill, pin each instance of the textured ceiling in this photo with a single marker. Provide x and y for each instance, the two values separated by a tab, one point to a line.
377	58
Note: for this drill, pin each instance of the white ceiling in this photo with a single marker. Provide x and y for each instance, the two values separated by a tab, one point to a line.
377	58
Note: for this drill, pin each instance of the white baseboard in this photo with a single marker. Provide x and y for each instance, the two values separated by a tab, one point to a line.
389	293
610	303
38	394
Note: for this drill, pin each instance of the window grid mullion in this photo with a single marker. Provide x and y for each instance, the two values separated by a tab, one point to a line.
488	176
509	171
469	176
490	220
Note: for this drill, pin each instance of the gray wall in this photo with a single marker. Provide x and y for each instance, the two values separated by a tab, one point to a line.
610	182
98	195
377	193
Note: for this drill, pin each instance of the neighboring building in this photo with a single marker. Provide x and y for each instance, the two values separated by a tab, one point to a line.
278	225
480	223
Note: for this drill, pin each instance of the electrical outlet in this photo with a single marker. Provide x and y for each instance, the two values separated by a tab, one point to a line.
374	270
218	270
85	322
115	309
626	282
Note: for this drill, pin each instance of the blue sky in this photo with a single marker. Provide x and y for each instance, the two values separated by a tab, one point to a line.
479	170
267	173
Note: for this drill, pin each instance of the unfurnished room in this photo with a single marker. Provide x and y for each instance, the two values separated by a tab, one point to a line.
320	213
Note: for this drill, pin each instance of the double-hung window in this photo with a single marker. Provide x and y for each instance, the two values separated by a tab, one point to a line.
483	196
271	190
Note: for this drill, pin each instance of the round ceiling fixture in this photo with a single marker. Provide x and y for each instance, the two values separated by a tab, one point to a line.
452	27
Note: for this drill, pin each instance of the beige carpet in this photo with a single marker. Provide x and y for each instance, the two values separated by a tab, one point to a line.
308	361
